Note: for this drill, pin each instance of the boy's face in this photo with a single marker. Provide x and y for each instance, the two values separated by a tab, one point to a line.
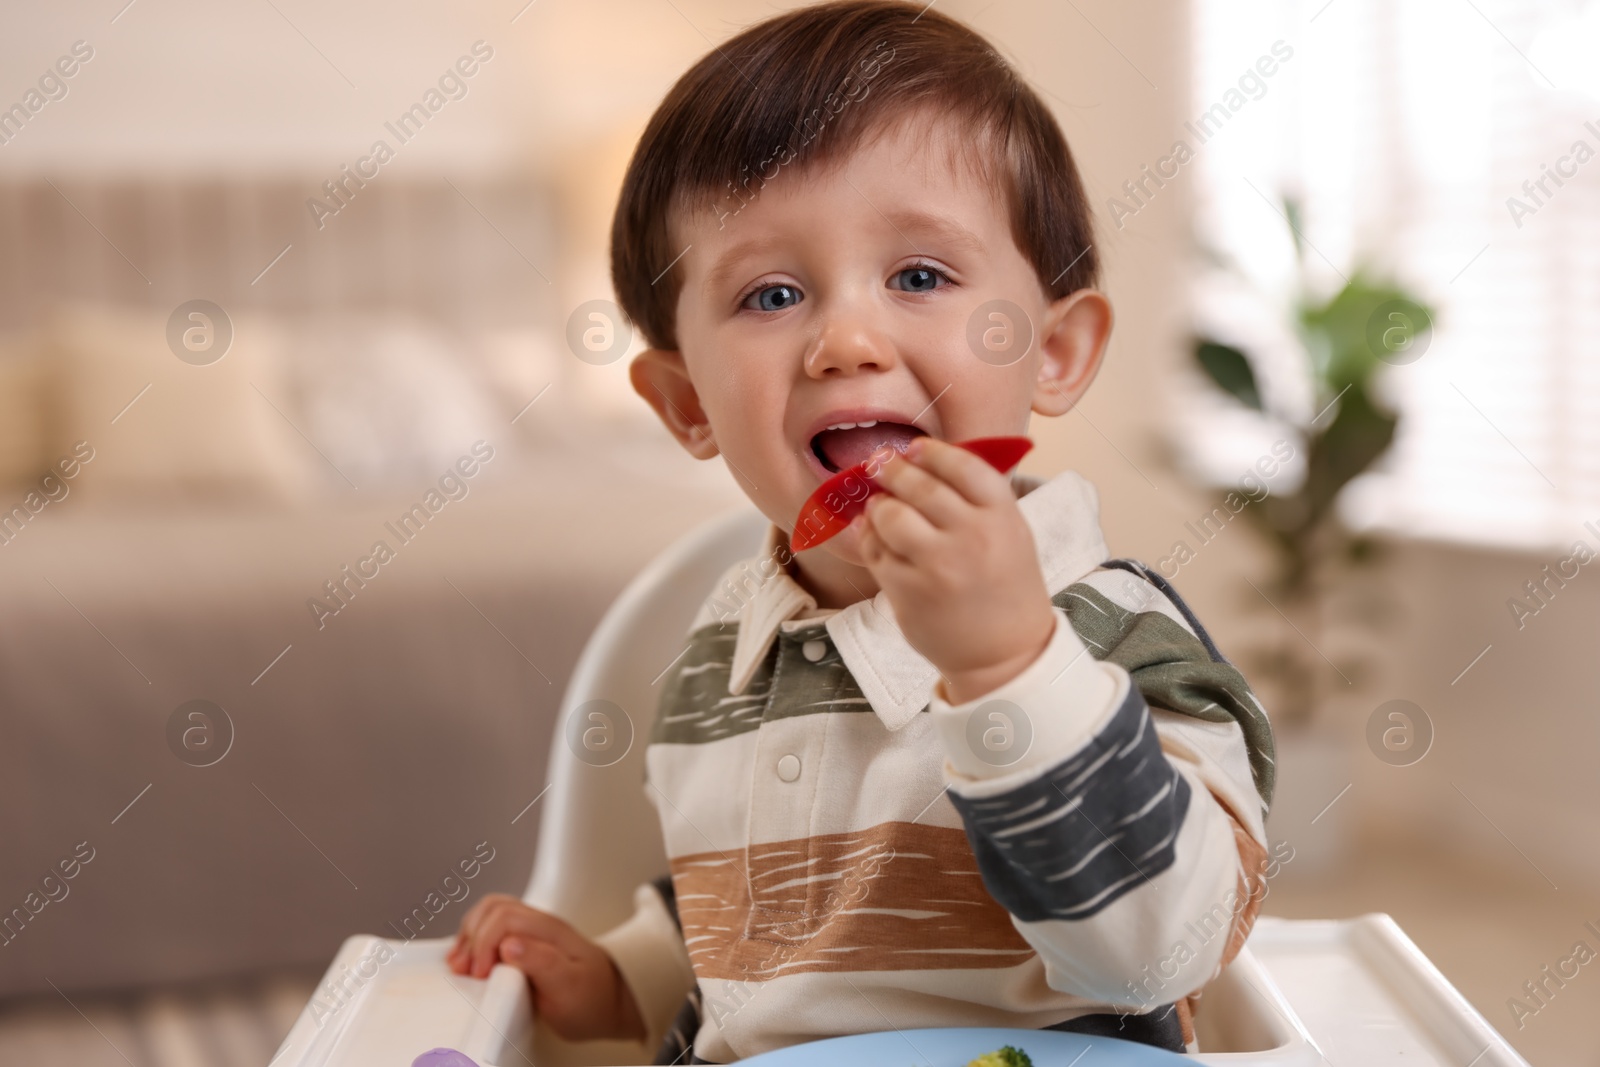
847	295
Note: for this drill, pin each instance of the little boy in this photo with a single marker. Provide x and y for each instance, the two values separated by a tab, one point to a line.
953	767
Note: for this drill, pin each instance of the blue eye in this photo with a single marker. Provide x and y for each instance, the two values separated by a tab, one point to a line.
919	279
772	298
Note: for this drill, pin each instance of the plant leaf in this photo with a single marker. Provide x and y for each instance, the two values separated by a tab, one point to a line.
1358	435
1230	369
1339	330
1293	215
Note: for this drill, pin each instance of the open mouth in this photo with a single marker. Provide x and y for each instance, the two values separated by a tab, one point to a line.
847	443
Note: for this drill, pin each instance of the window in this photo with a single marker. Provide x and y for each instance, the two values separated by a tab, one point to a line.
1453	145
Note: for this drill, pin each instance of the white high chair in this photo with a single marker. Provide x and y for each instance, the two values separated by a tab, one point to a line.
1306	992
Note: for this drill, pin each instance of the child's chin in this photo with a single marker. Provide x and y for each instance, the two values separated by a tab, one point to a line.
844	545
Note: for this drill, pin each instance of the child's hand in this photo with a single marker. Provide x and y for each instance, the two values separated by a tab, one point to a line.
576	988
949	545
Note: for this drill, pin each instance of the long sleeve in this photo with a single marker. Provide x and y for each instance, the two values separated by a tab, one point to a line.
650	955
1126	841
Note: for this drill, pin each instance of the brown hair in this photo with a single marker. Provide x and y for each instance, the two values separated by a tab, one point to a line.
807	87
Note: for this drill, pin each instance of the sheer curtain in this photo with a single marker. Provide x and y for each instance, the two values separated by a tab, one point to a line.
1408	129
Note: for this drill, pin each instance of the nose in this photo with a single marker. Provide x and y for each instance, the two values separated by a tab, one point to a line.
847	345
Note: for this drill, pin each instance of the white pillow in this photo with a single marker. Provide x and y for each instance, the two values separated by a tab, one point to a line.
392	402
161	427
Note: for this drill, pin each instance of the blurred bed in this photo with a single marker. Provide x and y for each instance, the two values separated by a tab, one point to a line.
374	391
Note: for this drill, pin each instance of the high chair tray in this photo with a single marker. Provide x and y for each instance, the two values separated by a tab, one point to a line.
1303	993
1358	991
387	1001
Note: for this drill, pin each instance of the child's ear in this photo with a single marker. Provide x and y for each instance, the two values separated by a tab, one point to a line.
1072	343
659	375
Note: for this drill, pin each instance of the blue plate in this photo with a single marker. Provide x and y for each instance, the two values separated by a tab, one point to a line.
957	1046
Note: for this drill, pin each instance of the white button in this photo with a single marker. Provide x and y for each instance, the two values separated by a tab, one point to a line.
814	650
789	767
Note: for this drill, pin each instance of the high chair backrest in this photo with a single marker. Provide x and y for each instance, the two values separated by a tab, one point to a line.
599	836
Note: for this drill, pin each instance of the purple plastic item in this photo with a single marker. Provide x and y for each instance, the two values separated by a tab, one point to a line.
443	1057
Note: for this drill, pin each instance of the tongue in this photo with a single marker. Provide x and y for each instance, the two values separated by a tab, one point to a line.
846	448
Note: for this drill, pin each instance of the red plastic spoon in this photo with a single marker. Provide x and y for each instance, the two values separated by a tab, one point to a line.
839	499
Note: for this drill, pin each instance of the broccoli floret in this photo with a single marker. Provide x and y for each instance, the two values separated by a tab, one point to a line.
1005	1056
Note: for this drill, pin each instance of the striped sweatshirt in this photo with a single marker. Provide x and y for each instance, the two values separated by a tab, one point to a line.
850	852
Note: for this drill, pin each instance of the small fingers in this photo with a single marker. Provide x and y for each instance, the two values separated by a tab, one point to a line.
499	916
459	958
874	553
485	949
889	567
475	914
965	472
900	527
534	958
456	958
923	489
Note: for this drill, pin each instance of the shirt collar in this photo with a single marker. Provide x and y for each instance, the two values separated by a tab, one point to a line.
896	679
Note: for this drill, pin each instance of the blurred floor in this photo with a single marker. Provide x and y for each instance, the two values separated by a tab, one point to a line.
1489	926
232	1024
1488	923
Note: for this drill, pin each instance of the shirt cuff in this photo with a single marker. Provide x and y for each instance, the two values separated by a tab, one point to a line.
1046	713
650	955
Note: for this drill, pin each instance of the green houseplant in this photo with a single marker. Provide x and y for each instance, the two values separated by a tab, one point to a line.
1347	338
